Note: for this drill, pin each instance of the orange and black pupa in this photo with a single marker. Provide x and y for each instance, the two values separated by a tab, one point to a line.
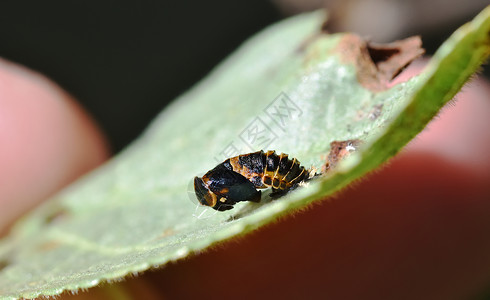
238	178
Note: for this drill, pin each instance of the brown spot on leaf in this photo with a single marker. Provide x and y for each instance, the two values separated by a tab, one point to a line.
3	264
58	213
338	151
49	246
167	232
377	64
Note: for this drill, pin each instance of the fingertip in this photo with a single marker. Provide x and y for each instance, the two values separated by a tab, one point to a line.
49	140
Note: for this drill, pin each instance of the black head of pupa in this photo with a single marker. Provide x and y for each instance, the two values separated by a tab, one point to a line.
226	186
203	194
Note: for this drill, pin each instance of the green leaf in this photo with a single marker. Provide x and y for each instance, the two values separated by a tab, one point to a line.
136	211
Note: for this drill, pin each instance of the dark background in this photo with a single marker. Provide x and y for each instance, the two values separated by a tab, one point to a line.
125	60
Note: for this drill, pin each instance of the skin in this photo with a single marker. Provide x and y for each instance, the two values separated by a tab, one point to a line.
48	140
415	229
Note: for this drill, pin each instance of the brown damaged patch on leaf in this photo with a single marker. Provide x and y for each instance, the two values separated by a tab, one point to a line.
377	64
392	58
338	151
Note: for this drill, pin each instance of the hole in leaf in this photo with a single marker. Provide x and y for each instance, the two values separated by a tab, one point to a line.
381	54
392	58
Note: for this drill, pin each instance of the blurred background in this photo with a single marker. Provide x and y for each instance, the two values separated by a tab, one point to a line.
126	60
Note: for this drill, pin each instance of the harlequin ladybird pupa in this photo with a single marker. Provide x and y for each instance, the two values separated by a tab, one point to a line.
238	178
